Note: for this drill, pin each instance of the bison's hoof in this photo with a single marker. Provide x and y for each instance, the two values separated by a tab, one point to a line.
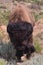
24	58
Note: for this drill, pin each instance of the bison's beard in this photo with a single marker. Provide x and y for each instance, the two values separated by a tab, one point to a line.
20	34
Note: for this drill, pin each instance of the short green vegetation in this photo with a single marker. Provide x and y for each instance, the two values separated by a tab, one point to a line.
37	46
4	16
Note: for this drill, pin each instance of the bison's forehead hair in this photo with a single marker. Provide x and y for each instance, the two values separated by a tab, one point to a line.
21	13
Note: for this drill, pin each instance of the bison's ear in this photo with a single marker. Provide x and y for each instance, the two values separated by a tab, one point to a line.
9	28
29	28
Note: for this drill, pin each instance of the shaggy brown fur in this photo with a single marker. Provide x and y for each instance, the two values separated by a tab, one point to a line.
21	12
20	28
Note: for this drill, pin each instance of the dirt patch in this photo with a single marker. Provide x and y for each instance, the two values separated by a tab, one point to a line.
3	34
38	32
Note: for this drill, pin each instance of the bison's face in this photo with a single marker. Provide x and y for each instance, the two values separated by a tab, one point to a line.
19	31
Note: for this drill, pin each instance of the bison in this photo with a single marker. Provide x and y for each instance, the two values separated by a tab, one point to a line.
20	29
